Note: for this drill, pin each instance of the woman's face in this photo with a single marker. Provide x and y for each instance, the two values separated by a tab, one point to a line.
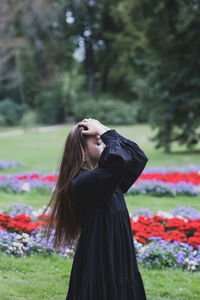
95	147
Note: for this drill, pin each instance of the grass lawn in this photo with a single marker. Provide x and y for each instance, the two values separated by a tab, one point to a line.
133	202
39	278
42	150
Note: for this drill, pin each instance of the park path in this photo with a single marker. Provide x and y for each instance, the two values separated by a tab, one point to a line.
23	131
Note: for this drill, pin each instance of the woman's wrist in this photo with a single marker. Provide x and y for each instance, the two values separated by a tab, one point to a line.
109	136
103	130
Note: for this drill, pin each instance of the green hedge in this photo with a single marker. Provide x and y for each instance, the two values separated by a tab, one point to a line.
11	112
106	111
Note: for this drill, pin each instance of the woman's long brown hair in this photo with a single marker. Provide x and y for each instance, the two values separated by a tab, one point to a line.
63	218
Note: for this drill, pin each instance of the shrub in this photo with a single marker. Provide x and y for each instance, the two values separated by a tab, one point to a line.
107	111
11	112
29	119
49	106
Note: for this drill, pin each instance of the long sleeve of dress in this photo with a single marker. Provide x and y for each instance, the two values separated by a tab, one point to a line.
136	165
95	187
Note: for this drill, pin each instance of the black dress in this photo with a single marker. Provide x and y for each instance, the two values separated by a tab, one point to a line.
105	266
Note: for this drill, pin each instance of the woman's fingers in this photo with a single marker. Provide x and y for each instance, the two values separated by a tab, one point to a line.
86	132
82	123
92	126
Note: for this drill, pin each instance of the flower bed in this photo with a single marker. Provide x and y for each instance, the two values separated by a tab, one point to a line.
161	240
5	164
159	254
153	181
19	223
27	181
169	229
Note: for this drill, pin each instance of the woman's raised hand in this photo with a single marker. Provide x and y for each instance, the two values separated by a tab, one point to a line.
94	127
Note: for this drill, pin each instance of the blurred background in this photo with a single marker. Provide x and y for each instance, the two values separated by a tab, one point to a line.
134	66
122	62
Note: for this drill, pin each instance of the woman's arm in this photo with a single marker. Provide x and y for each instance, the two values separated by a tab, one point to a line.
135	166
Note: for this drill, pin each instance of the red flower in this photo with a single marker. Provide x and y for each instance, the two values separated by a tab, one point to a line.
159	219
174	229
173	177
194	241
22	218
17	223
174	223
135	226
145	220
141	237
4	219
174	236
190	228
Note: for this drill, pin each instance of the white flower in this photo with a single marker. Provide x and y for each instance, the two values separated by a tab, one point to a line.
143	249
187	260
135	218
181	217
25	187
68	252
35	213
19	236
15	244
164	214
26	235
192	262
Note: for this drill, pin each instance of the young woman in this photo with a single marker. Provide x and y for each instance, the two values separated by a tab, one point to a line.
98	166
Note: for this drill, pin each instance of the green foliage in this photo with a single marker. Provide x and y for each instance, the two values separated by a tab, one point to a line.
49	106
35	47
11	113
29	82
73	86
142	52
107	111
29	119
172	86
110	41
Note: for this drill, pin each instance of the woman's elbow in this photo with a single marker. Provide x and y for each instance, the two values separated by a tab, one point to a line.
145	158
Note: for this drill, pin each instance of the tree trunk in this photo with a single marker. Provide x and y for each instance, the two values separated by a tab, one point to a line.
90	68
104	83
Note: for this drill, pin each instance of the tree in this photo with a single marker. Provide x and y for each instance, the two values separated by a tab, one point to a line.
109	40
35	48
171	62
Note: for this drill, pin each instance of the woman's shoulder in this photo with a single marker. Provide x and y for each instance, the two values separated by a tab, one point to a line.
80	172
79	175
